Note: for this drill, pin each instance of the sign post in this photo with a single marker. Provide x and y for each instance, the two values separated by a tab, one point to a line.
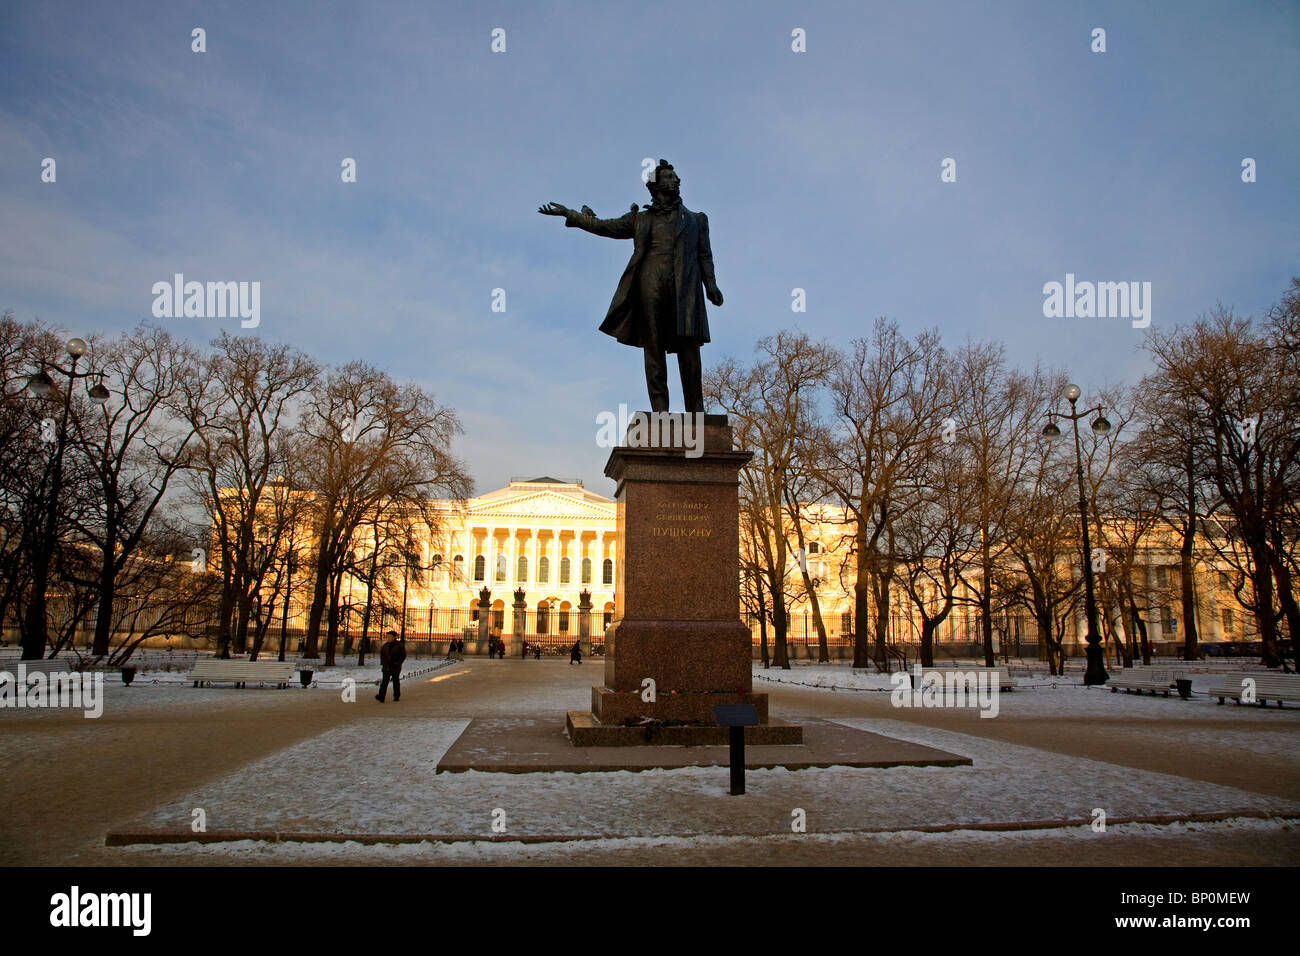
736	717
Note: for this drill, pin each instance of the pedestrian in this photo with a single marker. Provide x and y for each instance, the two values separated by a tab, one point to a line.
391	656
575	654
537	652
523	655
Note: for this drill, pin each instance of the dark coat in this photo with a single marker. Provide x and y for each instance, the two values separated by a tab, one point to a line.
391	656
693	264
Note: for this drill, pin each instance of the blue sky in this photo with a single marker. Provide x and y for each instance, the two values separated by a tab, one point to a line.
818	170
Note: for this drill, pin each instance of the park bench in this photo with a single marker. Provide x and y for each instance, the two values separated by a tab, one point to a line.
1278	687
1005	680
240	673
1158	680
59	665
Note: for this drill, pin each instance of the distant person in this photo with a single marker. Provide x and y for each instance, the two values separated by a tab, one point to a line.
523	656
575	654
391	656
537	652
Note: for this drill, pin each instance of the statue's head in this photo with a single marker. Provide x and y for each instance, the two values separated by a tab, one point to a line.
663	180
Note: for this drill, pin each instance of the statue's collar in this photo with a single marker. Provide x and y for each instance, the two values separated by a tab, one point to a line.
672	206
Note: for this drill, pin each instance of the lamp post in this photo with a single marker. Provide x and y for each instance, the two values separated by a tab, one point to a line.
35	632
1096	670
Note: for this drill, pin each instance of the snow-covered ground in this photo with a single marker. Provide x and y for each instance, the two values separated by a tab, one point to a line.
1072	845
1047	696
376	775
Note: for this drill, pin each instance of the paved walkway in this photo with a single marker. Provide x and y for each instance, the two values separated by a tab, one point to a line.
69	780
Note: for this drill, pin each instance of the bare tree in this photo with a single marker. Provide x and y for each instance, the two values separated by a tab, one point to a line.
375	442
240	403
771	404
888	399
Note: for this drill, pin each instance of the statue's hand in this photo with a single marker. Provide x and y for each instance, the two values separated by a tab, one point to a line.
588	211
714	294
553	209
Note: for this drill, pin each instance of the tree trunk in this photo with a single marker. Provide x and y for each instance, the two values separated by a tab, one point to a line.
1190	637
319	597
107	589
928	627
1265	621
861	614
782	657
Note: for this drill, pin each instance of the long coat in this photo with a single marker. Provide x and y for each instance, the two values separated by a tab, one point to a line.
692	264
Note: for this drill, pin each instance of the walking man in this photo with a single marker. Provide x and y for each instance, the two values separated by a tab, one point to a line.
391	656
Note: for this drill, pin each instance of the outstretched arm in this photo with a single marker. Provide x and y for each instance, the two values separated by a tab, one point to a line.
621	228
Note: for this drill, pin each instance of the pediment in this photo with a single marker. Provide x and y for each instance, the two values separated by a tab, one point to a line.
542	504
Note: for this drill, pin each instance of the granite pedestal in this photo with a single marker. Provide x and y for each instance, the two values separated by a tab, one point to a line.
677	592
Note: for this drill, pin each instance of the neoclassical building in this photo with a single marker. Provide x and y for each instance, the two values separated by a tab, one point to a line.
547	538
539	545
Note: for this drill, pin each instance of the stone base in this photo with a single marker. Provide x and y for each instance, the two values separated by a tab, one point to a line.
585	730
613	709
685	656
541	744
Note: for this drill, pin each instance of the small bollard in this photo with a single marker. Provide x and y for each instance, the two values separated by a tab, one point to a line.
736	717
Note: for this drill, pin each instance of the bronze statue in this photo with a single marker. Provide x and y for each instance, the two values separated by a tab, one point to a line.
659	304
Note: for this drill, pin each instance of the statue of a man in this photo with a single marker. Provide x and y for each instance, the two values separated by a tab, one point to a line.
659	304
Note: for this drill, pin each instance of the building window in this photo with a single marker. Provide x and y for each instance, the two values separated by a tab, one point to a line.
543	617
564	571
521	573
607	572
1160	576
846	623
586	570
564	619
814	548
458	567
609	618
1229	624
501	567
543	570
480	568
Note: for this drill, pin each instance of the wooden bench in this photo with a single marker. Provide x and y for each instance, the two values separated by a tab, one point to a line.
59	665
1158	680
1004	679
240	673
1278	687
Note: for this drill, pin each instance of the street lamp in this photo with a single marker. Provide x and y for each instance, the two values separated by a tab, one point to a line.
1096	670
35	631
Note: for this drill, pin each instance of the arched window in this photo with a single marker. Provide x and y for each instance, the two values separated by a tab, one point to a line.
458	567
564	571
543	617
607	572
564	619
846	623
543	570
586	570
521	572
501	567
480	568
